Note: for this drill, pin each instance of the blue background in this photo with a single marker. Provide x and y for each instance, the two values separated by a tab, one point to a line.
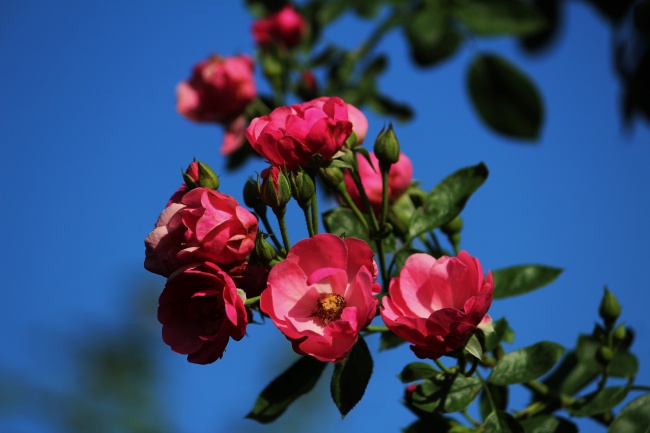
92	149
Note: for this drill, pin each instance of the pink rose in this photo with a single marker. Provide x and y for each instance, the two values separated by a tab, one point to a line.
358	119
291	136
399	180
193	172
218	91
206	226
285	27
200	311
322	295
437	304
218	229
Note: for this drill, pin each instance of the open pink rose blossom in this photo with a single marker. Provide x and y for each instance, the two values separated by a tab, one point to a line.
399	180
206	225
290	136
219	89
358	119
322	295
200	311
436	304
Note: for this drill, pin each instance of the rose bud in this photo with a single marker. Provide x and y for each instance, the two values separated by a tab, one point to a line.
285	27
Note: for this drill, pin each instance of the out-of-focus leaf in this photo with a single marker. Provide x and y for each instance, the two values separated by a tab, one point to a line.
430	36
351	376
388	340
548	424
502	332
286	388
633	418
501	422
517	280
505	98
417	371
499	396
447	199
461	394
570	376
499	17
526	364
384	105
599	401
623	364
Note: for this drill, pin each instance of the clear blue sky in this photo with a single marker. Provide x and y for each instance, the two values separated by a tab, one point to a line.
93	147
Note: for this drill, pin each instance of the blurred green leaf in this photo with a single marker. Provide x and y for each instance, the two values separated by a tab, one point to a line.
599	401
526	364
517	280
463	391
430	36
548	424
297	380
499	17
633	418
502	332
342	221
505	98
570	376
388	340
417	371
499	396
623	364
447	199
384	105
501	422
351	376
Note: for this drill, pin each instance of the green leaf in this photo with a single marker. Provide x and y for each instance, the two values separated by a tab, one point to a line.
502	332
430	36
548	424
350	378
386	106
517	280
342	221
599	401
570	376
473	347
417	371
499	17
526	364
463	391
499	396
505	98
633	418
623	364
426	396
388	340
501	422
447	199
286	388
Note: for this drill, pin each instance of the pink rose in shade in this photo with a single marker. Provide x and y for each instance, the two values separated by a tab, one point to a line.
291	136
165	241
234	137
217	228
358	119
219	89
200	311
206	226
399	180
322	295
436	304
285	27
193	172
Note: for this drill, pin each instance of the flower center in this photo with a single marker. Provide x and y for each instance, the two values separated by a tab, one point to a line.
207	313
329	307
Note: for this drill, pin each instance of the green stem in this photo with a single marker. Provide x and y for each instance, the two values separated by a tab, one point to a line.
469	418
442	366
269	230
382	264
487	391
371	329
384	197
314	207
283	230
348	201
308	220
640	388
374	224
251	301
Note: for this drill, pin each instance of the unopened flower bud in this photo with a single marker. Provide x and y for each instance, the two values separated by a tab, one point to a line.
387	147
302	187
332	176
264	250
620	333
604	355
252	197
207	177
609	309
453	226
275	191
